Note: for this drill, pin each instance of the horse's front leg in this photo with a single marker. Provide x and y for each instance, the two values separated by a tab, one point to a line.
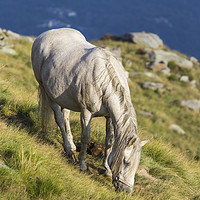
108	144
86	117
66	113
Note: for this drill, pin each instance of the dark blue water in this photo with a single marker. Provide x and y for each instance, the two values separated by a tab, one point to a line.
177	22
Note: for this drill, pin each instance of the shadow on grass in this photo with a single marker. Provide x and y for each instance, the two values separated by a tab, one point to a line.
18	116
26	117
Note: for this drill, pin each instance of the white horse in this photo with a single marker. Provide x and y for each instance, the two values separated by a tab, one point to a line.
76	75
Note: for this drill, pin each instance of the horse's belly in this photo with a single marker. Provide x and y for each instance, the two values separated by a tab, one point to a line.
68	101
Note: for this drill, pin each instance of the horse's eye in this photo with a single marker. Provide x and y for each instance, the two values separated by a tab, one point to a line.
126	162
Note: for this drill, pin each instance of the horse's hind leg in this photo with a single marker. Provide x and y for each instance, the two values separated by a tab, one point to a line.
108	144
59	118
66	113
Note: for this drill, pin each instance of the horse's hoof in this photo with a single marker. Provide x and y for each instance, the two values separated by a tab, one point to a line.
67	149
108	173
82	165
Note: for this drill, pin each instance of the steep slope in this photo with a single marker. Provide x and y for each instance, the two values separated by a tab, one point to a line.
37	167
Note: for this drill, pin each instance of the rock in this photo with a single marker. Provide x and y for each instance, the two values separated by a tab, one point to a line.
144	171
194	60
6	47
12	35
2	164
145	113
128	63
163	57
116	52
156	66
177	129
193	83
166	71
30	39
4	43
147	39
191	104
152	85
159	67
184	78
148	74
8	50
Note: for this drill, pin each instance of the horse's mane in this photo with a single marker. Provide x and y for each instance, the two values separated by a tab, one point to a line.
127	122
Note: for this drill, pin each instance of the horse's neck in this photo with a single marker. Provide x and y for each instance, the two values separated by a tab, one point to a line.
124	119
119	103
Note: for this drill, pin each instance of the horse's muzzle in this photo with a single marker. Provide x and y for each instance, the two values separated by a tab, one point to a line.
120	186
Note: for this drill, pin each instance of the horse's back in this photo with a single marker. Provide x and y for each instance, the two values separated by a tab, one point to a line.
56	37
56	43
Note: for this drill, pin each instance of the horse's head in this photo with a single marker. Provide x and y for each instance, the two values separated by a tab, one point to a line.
125	164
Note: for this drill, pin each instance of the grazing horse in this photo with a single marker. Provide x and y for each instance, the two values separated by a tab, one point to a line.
75	75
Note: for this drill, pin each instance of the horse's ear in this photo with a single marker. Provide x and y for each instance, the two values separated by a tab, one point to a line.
132	141
142	143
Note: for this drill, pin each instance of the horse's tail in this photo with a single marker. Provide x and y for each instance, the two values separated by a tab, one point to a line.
45	111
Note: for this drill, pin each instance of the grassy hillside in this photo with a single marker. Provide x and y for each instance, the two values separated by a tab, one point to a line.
38	167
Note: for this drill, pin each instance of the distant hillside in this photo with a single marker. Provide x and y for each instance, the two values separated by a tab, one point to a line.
165	91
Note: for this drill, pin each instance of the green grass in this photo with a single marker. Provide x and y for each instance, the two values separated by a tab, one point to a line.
38	166
39	171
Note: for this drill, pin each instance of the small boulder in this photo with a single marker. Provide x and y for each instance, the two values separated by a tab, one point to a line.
148	114
161	66
191	104
166	71
128	63
148	74
158	57
12	35
116	52
2	164
193	83
184	78
194	60
152	85
6	47
144	171
8	50
177	129
156	67
1	30
147	39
